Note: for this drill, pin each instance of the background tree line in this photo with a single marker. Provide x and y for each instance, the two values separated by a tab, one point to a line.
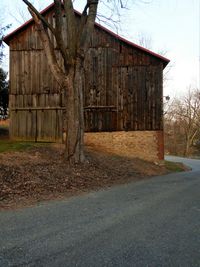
182	124
4	92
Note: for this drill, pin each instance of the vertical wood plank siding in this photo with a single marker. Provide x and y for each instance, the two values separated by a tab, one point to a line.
122	88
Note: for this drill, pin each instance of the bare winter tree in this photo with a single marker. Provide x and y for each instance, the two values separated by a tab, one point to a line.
3	30
21	15
73	53
183	121
188	112
146	41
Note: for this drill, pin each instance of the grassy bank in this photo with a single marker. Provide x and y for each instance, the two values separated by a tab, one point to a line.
8	146
175	166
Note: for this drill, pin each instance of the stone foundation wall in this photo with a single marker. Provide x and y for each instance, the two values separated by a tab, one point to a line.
147	145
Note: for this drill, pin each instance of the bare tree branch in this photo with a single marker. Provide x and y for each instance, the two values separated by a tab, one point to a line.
33	9
89	25
83	20
185	117
57	72
58	32
71	28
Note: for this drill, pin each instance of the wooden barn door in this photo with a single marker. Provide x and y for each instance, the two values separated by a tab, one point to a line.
36	124
49	124
99	96
23	124
139	97
125	84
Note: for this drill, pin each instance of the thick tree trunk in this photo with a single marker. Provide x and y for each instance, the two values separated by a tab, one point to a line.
74	151
187	148
73	53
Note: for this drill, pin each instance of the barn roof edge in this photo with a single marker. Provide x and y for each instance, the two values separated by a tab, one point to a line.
8	37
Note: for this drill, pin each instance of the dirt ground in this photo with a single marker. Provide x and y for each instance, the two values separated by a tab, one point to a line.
40	173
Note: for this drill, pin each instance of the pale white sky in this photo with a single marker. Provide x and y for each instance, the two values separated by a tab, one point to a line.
173	25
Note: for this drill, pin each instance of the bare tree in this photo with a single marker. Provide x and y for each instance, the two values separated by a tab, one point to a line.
183	121
70	78
3	29
145	40
21	15
188	113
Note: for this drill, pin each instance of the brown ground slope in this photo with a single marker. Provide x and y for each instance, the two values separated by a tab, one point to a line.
40	173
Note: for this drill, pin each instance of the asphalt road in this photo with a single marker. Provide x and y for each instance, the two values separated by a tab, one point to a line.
154	222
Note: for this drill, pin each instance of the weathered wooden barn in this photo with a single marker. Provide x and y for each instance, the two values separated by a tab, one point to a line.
123	92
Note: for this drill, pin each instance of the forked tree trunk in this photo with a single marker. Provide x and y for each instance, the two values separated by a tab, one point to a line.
74	142
73	55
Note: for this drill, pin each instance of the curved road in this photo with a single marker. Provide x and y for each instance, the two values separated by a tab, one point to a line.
154	222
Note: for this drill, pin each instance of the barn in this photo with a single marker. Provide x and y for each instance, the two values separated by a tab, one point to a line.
123	93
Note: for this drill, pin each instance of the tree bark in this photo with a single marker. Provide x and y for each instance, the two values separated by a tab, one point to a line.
74	142
187	148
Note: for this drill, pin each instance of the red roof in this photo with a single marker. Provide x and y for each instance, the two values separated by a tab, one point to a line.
8	37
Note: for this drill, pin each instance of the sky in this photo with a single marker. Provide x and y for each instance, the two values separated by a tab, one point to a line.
173	26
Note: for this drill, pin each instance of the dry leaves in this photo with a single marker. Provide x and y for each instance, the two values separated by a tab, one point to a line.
41	173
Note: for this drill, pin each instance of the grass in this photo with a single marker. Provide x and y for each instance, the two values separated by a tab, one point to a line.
4	126
174	166
7	145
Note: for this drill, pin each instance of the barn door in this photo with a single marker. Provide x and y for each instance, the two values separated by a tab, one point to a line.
49	124
125	84
99	103
139	97
23	124
36	124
